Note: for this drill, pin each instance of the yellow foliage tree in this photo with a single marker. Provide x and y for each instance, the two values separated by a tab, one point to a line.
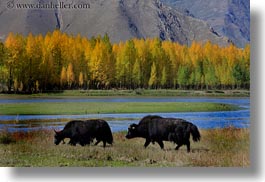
70	75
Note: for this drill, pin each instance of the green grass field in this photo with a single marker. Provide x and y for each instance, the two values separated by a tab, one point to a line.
108	107
227	147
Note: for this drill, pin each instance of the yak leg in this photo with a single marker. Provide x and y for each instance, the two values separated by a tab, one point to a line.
178	146
188	146
97	142
104	143
82	141
161	144
147	142
72	142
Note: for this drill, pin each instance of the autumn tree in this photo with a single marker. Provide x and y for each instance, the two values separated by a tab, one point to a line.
15	48
63	79
109	61
56	57
153	77
120	67
32	61
96	64
159	57
81	80
144	59
70	75
170	68
58	61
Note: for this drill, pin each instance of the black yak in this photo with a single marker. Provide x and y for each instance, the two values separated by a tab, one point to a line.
158	129
84	132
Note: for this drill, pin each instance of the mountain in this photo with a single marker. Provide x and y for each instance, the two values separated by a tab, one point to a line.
230	18
120	19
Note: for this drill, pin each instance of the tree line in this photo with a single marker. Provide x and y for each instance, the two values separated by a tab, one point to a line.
59	61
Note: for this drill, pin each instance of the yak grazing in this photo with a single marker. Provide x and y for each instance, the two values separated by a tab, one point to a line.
159	129
84	132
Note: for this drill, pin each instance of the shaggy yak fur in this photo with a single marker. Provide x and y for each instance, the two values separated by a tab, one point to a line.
84	132
159	129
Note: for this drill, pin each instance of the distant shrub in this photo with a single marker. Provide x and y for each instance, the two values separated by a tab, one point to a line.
139	91
219	92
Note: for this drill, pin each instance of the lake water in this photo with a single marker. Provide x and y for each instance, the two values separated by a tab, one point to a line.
120	122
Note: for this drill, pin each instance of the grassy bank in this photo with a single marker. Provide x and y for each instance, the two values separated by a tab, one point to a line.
218	147
108	107
137	93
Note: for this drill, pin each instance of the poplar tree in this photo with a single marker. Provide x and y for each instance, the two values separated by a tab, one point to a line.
153	77
70	75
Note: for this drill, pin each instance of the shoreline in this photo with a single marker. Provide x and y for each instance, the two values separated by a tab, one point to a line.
138	93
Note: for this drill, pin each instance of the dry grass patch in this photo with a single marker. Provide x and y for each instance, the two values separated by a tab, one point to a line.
218	147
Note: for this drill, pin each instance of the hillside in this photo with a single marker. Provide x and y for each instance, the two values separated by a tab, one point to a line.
230	18
121	19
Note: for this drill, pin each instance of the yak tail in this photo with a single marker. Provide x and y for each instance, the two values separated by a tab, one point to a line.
110	141
109	136
196	136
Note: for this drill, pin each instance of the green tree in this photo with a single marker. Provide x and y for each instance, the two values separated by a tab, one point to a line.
198	75
3	68
211	79
121	66
164	77
183	76
2	53
239	74
136	74
129	58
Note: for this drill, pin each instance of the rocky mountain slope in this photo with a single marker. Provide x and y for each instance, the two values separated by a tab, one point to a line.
229	18
121	19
